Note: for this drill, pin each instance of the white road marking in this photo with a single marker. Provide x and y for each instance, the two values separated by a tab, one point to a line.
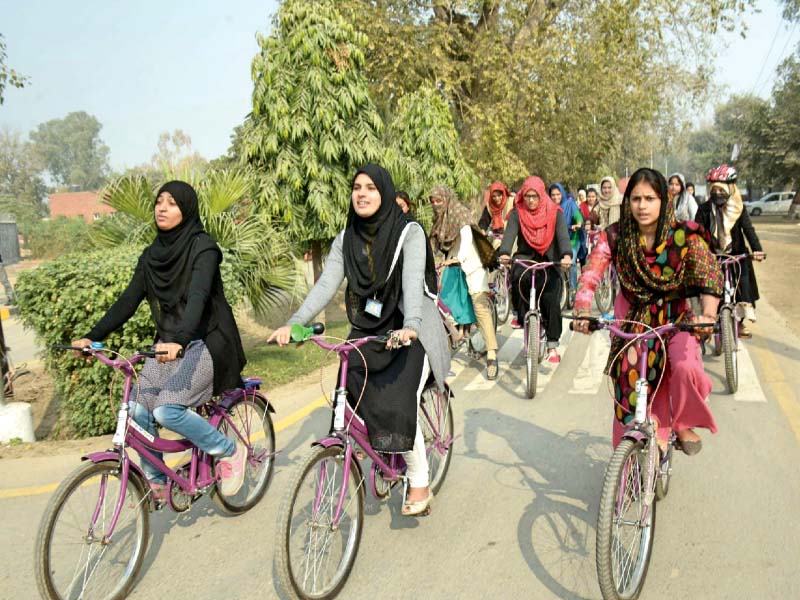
750	389
589	375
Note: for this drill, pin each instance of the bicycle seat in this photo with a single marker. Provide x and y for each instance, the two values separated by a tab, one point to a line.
252	383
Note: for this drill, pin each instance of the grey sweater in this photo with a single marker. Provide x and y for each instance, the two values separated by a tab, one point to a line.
419	309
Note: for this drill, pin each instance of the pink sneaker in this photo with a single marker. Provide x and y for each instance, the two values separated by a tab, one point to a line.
553	357
231	471
159	492
515	324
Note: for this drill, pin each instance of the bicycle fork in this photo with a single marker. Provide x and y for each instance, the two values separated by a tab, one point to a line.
648	427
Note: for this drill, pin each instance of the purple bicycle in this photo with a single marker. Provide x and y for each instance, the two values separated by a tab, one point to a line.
94	532
321	517
726	339
637	474
534	335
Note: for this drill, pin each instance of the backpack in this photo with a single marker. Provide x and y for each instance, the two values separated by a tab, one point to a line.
484	247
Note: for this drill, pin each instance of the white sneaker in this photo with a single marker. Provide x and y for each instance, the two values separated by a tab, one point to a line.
231	471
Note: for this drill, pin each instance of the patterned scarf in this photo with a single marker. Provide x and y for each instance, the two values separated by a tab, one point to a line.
538	225
656	284
448	218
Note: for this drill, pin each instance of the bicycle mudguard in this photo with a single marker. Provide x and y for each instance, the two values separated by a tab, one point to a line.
636	436
328	442
229	396
112	456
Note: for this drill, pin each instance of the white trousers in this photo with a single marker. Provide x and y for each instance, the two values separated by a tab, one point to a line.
416	459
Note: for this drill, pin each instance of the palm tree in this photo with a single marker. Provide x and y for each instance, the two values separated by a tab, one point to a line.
262	258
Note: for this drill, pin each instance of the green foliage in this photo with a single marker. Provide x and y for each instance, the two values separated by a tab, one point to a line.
313	122
423	135
555	88
62	300
53	238
784	128
8	76
260	257
22	190
71	150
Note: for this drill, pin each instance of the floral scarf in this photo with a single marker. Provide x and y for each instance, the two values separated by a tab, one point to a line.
448	218
538	226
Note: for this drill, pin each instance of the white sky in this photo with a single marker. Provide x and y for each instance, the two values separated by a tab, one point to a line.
185	65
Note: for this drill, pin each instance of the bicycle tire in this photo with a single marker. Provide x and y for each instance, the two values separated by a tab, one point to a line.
564	302
503	302
604	294
436	422
624	468
260	461
729	349
532	356
295	519
80	492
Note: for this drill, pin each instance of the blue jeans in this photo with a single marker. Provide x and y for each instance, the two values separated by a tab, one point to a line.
185	422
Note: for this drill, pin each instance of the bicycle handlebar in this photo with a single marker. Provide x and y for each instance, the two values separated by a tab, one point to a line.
99	351
302	334
596	323
726	259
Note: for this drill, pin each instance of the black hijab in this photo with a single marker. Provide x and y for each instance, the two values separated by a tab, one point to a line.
168	260
369	247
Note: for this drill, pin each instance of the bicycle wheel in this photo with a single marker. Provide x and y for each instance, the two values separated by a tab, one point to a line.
250	416
315	555
72	558
436	422
564	289
729	349
532	355
503	302
604	294
624	537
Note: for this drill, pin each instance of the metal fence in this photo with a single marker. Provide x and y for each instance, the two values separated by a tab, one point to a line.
9	239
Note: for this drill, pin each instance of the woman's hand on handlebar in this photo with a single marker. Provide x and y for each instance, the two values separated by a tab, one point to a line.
81	343
566	262
759	256
401	337
170	351
282	335
581	325
701	333
504	259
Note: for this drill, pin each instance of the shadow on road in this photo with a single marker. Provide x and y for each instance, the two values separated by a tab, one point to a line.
556	531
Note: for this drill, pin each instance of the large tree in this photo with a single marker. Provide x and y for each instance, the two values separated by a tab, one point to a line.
784	125
71	150
22	190
313	123
8	76
555	85
425	147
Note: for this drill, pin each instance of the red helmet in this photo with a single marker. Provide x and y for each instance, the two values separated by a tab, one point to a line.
723	173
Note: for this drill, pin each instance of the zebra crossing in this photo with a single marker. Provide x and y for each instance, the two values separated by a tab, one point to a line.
588	378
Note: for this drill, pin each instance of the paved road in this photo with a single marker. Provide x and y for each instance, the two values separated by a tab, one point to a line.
516	516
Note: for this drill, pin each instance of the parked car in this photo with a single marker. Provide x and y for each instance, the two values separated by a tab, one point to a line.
774	203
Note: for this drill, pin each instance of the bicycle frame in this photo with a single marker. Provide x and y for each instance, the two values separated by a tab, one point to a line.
727	263
130	434
347	427
533	300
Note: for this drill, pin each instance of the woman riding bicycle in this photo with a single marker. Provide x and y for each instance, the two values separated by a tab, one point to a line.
610	201
660	263
391	286
684	202
495	210
537	226
725	217
454	237
180	277
574	220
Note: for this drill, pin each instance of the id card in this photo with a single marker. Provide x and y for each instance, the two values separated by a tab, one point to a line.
373	307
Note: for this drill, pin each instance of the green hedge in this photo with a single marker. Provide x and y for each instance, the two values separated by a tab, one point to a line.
61	301
56	237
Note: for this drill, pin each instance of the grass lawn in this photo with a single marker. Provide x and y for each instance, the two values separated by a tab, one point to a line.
277	366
